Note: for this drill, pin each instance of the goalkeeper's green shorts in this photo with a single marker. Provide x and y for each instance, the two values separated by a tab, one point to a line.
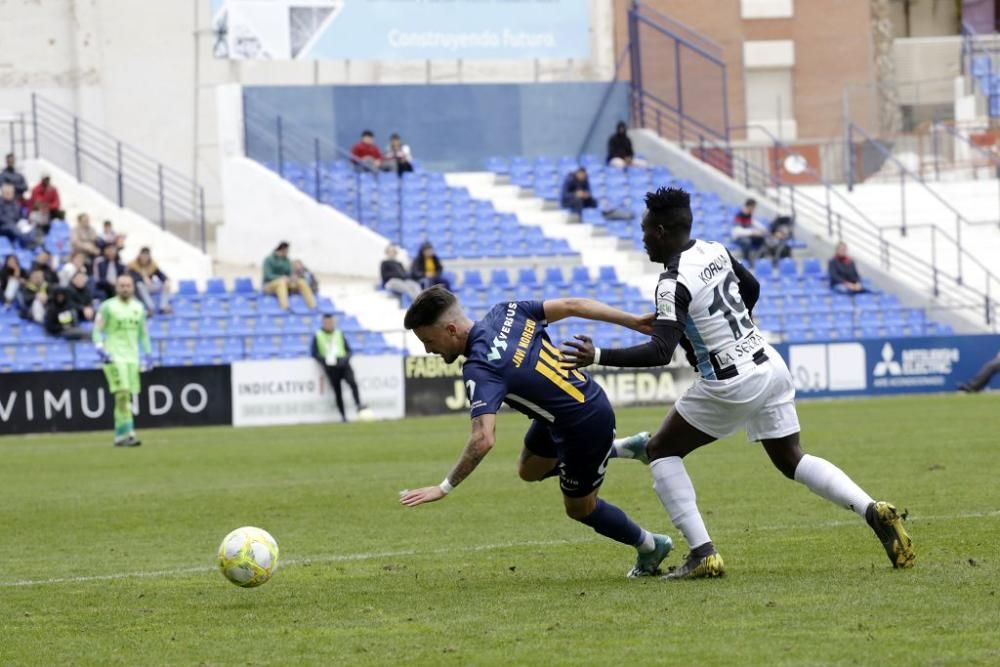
122	376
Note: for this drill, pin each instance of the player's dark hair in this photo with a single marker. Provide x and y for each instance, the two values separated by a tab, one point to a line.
368	133
428	307
669	208
750	202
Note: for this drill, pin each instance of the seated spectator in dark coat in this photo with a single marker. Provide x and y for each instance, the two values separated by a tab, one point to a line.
43	262
776	245
10	279
11	212
107	268
576	194
11	175
394	276
61	317
620	153
427	268
365	153
844	276
749	234
81	296
32	297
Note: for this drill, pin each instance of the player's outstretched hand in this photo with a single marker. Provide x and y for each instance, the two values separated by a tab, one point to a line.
428	494
577	354
644	323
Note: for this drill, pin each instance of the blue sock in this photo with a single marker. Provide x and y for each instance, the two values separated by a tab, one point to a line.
610	521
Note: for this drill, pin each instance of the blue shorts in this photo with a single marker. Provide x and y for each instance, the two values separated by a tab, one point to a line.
582	451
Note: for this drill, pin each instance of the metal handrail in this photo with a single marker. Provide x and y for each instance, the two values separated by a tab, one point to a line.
96	157
693	35
899	260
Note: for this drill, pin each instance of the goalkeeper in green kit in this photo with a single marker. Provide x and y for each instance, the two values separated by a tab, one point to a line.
119	329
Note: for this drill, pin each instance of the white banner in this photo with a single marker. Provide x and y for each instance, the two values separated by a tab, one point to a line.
297	391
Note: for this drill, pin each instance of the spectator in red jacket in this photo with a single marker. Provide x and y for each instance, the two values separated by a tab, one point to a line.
46	193
366	152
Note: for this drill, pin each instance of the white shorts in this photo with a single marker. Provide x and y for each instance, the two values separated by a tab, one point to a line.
762	400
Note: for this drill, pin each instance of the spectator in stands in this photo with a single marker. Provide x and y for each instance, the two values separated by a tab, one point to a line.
61	316
47	193
365	153
32	297
11	213
301	272
43	262
983	377
278	278
576	194
10	279
35	228
776	245
620	153
330	349
84	238
107	268
81	296
150	280
11	175
394	276
77	262
427	269
844	276
397	156
110	237
749	234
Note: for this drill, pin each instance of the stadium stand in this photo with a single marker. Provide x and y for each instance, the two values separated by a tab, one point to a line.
796	303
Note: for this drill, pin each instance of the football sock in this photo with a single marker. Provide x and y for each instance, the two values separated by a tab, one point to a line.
828	481
123	415
614	454
647	544
611	522
676	492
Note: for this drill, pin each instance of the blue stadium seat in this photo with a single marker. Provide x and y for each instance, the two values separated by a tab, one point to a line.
215	286
763	268
499	277
243	286
787	267
607	274
527	276
554	276
581	275
472	278
187	288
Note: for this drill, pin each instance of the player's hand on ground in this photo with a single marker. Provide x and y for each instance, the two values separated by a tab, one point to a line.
578	353
428	494
644	323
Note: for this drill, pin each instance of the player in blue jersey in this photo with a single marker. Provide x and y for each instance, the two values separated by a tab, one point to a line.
704	300
509	358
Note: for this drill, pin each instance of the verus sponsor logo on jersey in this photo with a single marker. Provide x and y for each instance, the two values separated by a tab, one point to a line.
718	265
500	340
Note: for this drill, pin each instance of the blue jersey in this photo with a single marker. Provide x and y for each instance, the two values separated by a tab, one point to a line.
510	358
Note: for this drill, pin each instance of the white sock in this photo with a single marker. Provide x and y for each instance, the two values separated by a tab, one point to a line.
828	481
646	544
620	451
676	492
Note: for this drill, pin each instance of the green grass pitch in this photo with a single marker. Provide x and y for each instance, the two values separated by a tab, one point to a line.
108	554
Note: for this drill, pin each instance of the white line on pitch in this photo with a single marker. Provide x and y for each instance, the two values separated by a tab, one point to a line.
339	558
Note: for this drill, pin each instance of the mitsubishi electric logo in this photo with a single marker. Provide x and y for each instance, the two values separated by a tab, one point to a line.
498	347
888	365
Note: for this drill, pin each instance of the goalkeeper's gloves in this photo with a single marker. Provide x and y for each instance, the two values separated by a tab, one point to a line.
103	355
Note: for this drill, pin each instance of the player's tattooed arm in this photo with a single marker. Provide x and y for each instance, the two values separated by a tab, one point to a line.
480	443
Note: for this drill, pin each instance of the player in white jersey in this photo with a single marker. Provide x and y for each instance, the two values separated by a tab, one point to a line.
704	300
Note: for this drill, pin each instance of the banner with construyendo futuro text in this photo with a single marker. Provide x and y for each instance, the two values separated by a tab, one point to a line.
887	365
400	29
434	387
297	391
79	400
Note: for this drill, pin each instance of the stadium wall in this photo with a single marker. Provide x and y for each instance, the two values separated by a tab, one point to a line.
295	391
448	127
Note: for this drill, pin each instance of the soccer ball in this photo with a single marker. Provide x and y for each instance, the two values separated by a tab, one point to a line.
248	556
366	415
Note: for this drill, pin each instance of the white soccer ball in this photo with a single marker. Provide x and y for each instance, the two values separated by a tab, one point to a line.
248	556
366	415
